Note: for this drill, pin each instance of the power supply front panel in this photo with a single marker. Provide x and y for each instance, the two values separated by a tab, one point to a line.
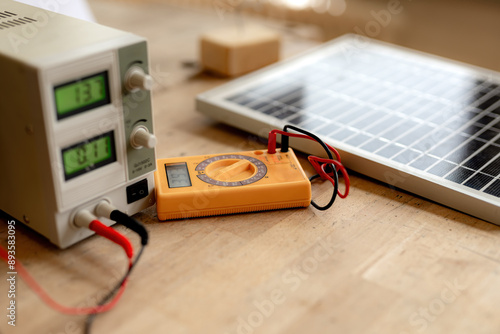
70	117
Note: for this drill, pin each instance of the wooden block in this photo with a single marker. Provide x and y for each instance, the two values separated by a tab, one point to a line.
236	50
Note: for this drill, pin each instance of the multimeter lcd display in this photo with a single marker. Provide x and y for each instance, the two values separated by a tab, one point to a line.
81	95
177	175
88	155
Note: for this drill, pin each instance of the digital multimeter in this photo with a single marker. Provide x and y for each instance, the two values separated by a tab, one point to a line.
209	185
77	124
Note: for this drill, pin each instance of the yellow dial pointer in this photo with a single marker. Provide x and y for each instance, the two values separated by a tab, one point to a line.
231	170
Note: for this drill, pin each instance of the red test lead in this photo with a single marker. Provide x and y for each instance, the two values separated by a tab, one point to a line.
320	164
82	219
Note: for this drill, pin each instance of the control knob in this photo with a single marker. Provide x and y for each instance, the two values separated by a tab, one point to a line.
136	79
141	137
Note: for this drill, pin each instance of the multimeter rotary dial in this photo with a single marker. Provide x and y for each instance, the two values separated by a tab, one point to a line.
231	170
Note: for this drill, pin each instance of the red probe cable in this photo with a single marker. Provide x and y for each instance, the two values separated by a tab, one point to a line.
100	229
319	164
110	234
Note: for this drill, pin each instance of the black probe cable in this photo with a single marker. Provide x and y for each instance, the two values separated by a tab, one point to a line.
284	148
90	319
106	210
131	223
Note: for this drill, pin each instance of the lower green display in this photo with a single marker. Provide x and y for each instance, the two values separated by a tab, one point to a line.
89	155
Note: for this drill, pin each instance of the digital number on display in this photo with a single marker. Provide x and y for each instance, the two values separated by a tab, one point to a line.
177	175
81	95
88	155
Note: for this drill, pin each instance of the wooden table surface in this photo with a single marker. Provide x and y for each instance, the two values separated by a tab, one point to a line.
380	261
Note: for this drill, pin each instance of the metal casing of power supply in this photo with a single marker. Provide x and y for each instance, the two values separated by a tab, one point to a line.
41	51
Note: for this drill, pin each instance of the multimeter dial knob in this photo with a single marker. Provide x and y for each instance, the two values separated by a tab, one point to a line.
141	137
231	170
136	79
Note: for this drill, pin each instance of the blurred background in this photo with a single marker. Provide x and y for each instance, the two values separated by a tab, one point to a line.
465	30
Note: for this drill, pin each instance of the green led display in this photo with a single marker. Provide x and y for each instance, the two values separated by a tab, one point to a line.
88	155
81	95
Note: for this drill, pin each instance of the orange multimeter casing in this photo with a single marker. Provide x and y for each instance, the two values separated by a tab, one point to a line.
208	185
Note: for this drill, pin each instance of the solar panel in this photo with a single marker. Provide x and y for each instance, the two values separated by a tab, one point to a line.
414	121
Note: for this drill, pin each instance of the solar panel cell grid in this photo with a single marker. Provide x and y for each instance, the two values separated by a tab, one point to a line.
428	122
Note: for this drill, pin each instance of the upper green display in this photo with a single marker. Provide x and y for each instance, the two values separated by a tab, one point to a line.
81	95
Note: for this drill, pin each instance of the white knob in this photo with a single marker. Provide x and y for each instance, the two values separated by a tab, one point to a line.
136	79
141	137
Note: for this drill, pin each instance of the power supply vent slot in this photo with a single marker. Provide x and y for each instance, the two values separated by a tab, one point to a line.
12	23
7	14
